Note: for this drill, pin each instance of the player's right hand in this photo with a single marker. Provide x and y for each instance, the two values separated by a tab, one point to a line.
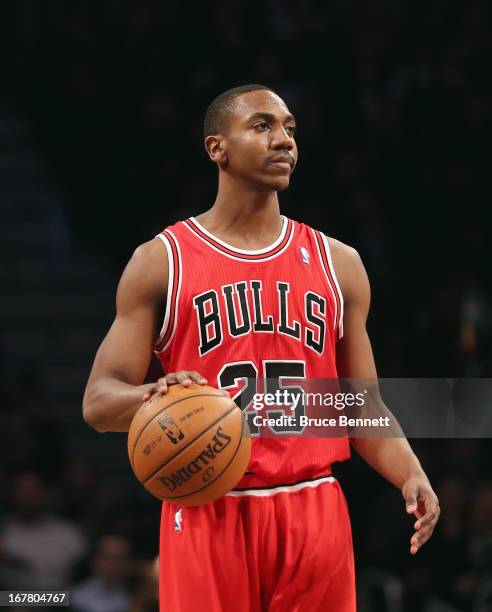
183	377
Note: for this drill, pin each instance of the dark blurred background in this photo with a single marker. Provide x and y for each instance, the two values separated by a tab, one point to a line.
100	148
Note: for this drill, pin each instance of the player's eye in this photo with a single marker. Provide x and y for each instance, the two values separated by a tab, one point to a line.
291	129
263	126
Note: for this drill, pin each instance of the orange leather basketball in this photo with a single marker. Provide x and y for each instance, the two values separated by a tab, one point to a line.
190	446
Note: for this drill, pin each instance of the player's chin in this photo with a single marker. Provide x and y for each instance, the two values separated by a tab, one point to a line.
278	183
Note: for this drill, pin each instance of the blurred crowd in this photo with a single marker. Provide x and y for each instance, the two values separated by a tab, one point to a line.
62	524
393	105
45	545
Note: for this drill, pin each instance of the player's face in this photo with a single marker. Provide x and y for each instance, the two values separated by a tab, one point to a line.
259	141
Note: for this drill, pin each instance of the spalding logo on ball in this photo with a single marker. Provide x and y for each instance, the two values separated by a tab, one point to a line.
190	446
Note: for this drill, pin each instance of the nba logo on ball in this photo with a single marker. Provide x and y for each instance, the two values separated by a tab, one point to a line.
178	521
304	255
202	470
170	427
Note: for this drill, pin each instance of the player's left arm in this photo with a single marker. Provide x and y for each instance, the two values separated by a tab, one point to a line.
393	457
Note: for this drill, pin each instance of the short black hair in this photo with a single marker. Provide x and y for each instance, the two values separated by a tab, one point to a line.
224	104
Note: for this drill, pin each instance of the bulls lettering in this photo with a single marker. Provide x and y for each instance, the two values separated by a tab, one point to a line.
240	309
315	341
283	327
260	324
237	328
209	324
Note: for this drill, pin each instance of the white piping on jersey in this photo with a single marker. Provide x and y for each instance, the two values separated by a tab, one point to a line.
170	265
170	286
327	278
284	489
245	251
340	295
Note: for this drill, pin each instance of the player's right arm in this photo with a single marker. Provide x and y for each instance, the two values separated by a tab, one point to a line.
114	391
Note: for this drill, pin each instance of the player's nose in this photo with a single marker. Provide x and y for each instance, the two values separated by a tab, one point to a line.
281	139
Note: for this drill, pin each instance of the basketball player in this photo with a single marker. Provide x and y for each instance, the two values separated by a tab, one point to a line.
237	294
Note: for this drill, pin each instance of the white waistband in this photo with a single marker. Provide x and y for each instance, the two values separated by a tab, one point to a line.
281	489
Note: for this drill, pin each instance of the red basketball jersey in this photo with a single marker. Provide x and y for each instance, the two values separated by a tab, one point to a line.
253	322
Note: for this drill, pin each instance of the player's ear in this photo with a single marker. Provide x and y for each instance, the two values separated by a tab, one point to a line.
216	149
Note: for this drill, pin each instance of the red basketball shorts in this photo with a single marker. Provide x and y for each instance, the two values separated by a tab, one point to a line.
280	549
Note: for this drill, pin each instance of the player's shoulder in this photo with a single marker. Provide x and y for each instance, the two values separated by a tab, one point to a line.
150	258
348	267
153	256
343	253
147	270
148	252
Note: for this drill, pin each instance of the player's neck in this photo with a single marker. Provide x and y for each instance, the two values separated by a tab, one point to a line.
247	218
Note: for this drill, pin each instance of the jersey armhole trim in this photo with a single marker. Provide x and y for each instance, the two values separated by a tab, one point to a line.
339	291
173	289
324	254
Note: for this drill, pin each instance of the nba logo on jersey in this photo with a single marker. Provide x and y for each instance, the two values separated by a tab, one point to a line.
304	255
178	521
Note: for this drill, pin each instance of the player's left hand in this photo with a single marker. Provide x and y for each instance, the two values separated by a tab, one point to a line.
422	502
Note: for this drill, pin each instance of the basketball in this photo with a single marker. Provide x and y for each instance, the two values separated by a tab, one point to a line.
189	446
